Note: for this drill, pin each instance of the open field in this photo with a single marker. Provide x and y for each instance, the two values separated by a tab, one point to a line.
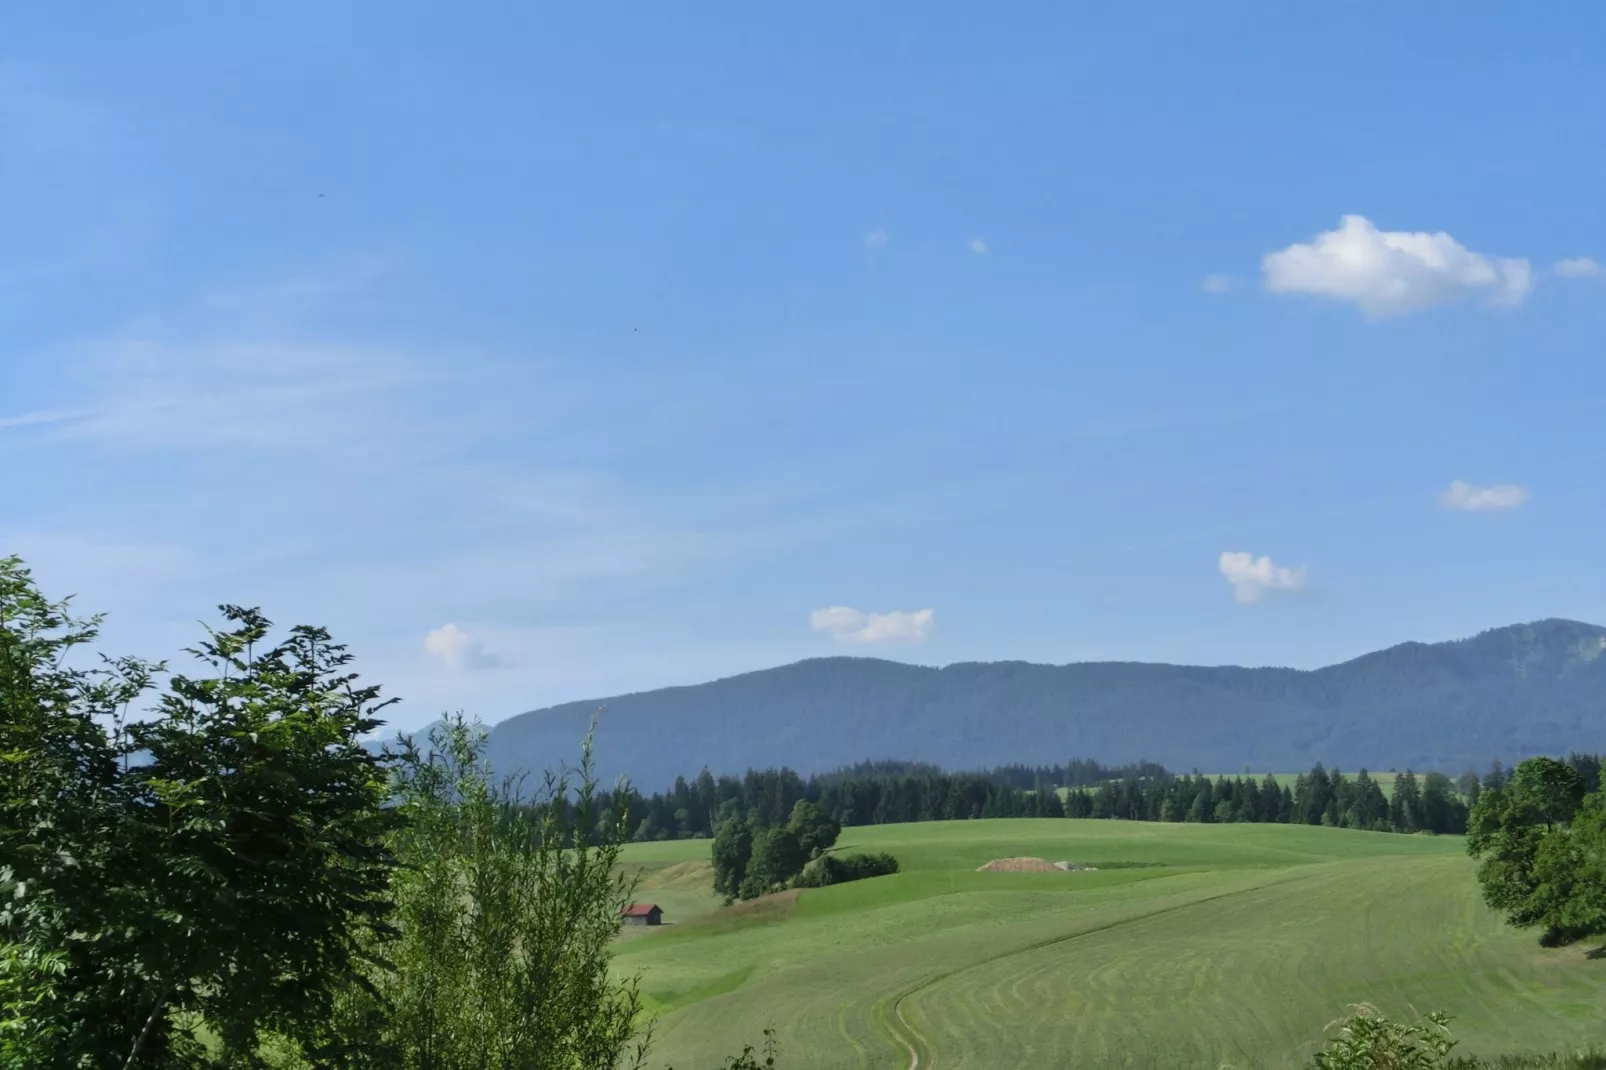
1213	945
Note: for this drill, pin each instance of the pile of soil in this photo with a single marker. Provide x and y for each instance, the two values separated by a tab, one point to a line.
1017	865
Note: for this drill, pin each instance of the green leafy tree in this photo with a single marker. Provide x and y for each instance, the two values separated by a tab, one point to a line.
507	908
816	831
68	973
1506	831
777	858
265	825
1569	874
216	865
733	848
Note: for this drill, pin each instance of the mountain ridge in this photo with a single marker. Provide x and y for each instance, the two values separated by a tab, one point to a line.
1507	692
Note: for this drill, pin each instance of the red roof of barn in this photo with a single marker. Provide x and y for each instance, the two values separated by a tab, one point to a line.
638	910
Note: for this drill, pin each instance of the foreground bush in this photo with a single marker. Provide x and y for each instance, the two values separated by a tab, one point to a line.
506	908
1369	1040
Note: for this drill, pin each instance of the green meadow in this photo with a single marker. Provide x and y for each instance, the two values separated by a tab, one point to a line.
1191	945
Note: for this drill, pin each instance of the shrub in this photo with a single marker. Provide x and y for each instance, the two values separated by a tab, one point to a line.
831	869
1368	1040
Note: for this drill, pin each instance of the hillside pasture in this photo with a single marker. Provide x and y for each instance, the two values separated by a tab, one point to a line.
1191	945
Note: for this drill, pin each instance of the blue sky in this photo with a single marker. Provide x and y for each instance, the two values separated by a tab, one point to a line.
551	354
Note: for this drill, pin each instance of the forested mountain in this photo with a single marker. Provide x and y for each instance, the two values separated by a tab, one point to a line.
1507	693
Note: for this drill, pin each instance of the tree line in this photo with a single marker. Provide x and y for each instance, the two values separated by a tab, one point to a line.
890	793
865	793
1319	797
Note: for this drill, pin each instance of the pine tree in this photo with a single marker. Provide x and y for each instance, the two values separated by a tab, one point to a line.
1271	799
1318	793
1406	810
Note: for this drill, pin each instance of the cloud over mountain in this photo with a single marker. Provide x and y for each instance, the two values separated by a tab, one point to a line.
459	650
848	625
1252	578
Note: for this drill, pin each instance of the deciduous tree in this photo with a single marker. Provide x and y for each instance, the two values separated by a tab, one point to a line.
1506	830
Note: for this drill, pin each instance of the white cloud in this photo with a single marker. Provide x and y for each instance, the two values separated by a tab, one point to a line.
875	239
1389	272
851	626
978	246
1252	577
1578	267
1216	284
1468	498
458	649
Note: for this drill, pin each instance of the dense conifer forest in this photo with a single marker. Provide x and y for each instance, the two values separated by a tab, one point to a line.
878	793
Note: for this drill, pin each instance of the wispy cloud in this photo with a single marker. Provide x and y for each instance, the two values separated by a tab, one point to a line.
847	625
1252	578
1217	284
456	649
876	239
978	246
44	417
1390	272
231	368
1466	497
1578	267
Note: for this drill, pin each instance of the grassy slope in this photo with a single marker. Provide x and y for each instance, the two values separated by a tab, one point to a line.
1238	948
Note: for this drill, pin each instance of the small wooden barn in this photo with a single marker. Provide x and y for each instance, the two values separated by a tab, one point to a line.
642	914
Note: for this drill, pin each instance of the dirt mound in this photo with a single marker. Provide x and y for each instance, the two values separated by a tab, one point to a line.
1018	865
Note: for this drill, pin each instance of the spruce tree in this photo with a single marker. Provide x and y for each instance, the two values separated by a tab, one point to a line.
1271	799
1406	810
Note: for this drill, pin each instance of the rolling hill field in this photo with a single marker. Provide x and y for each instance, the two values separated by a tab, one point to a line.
1191	945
